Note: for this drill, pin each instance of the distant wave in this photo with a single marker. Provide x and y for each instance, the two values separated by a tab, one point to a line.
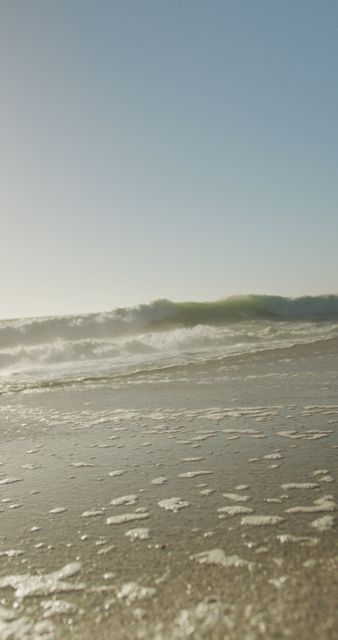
162	315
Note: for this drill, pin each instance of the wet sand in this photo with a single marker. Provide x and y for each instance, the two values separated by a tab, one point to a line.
197	502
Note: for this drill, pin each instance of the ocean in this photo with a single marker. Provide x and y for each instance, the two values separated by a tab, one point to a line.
169	472
36	352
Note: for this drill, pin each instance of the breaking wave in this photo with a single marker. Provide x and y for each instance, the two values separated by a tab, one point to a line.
163	329
165	314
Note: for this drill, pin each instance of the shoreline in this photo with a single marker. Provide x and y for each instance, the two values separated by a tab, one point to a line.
240	440
326	346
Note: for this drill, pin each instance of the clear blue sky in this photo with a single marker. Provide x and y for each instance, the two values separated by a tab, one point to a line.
166	148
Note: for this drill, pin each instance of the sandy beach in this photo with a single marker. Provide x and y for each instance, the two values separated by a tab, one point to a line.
168	320
188	502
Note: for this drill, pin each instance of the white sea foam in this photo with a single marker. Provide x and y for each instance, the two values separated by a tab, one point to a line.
236	497
127	500
76	346
14	626
105	550
218	557
323	524
306	435
173	504
131	591
193	474
11	553
81	464
288	537
93	513
262	520
242	431
57	608
205	620
140	533
325	503
126	517
118	472
26	585
299	485
279	582
159	480
234	509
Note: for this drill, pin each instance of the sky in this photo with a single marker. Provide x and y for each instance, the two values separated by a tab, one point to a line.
182	149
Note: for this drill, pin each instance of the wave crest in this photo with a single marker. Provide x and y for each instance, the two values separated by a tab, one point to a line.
164	314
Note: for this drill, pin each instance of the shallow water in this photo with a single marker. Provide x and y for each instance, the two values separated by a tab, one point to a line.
129	511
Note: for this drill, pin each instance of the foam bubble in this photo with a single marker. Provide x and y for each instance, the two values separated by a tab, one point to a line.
279	582
218	557
15	627
262	520
206	620
250	432
11	553
173	504
233	510
131	591
306	435
126	517
106	550
140	533
81	464
323	524
300	485
57	608
236	497
127	500
273	456
325	503
27	585
288	537
193	474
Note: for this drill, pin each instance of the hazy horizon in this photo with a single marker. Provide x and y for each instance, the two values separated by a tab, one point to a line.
316	298
108	309
165	150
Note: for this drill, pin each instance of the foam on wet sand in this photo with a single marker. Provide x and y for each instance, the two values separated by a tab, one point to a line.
267	519
173	504
218	557
126	517
27	585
